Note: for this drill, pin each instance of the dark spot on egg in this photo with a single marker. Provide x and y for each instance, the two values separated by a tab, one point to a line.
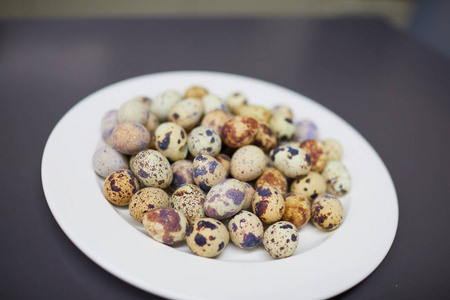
209	149
221	245
234	227
293	237
264	192
235	194
200	172
261	207
212	140
142	173
250	240
182	134
289	120
209	132
308	180
308	159
115	188
212	166
314	196
206	224
286	226
165	142
200	240
204	186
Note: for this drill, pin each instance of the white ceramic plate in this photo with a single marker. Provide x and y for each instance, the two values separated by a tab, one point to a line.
324	264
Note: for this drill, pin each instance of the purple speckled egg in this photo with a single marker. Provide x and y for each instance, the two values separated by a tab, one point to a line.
225	199
130	138
182	172
109	121
306	130
246	230
107	160
208	171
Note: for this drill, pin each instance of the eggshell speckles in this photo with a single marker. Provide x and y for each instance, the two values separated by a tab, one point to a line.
265	138
133	111
268	204
120	186
305	130
282	127
171	141
130	138
281	239
225	160
315	150
327	212
152	168
204	140
107	160
275	178
248	163
207	172
187	113
182	173
257	112
109	121
337	178
197	92
225	199
297	211
292	161
189	199
249	193
239	131
246	230
235	100
163	103
207	237
145	200
165	225
333	149
309	186
215	120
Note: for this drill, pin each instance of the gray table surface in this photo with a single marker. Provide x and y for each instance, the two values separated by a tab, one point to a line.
391	88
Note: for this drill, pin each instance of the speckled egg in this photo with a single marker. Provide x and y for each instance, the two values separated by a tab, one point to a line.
281	239
152	168
189	199
207	237
327	212
275	178
165	225
133	111
293	162
305	130
257	112
225	160
246	230
249	193
120	186
317	154
163	103
207	172
236	100
337	178
333	149
109	121
196	92
309	186
282	127
171	141
215	120
107	160
265	138
146	199
282	110
187	113
213	102
224	199
268	204
182	173
204	140
248	163
151	126
130	138
297	211
239	131
142	99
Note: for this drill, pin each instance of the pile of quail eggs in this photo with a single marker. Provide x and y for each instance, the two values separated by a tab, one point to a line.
209	170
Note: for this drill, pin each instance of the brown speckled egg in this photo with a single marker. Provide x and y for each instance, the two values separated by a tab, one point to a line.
207	172
249	192
239	131
248	163
282	110
187	113
327	212
120	186
275	178
315	150
225	160
162	104
309	186
165	225
297	211
235	100
265	138
189	200
281	239
171	141
151	126
215	120
246	230
337	178
182	173
283	128
224	199
196	92
257	112
109	121
333	149
268	204
130	138
207	237
152	168
204	140
145	200
293	162
133	111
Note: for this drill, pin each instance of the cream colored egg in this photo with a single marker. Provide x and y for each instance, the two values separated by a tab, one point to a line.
163	103
337	178
152	168
166	225
292	161
327	212
207	237
189	199
133	111
333	149
171	141
145	200
208	172
281	239
268	204
246	230
310	186
187	113
248	163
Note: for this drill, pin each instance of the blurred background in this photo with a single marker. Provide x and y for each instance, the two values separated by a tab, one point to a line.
428	20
